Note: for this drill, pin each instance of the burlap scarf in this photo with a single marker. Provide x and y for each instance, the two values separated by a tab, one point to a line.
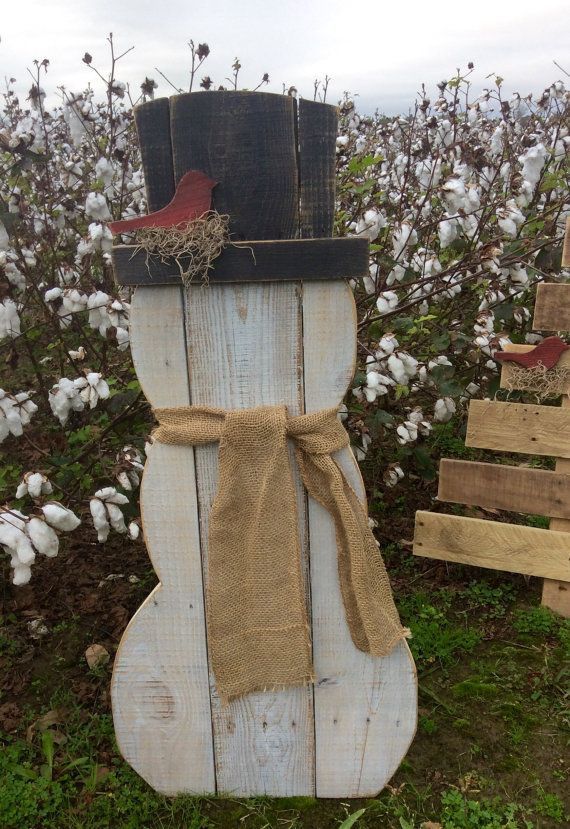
257	623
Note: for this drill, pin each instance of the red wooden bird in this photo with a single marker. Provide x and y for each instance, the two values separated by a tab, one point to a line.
547	353
193	198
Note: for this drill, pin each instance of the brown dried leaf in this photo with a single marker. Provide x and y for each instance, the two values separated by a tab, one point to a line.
56	715
96	656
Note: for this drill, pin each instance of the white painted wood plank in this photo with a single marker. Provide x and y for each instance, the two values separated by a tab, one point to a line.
160	688
365	707
244	350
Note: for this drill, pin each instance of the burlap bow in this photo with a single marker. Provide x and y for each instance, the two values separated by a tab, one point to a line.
257	623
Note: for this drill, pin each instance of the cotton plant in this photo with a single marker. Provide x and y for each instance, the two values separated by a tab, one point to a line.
16	411
130	467
92	388
10	325
64	398
105	507
23	536
68	396
449	196
34	484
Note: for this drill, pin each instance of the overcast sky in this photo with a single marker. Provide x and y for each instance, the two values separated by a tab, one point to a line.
382	51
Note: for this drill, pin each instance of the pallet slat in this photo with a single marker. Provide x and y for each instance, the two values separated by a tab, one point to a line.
518	427
552	307
556	594
512	488
479	543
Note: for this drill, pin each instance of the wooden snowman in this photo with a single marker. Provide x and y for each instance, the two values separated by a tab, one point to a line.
276	325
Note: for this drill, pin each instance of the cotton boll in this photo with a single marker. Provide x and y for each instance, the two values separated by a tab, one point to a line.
397	273
100	521
407	432
64	398
124	481
393	475
60	517
447	231
9	319
134	530
78	355
96	207
101	237
410	364
22	489
35	484
4	238
454	194
97	306
518	275
444	409
22	573
24	549
396	367
386	346
376	385
532	163
43	537
116	517
52	294
402	237
110	495
371	224
123	339
386	302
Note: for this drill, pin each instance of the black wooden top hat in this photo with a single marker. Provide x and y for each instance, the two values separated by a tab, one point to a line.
274	161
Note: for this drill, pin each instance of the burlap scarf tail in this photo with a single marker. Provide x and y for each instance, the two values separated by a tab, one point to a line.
258	630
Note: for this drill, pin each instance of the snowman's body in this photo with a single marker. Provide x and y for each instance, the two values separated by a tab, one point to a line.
240	346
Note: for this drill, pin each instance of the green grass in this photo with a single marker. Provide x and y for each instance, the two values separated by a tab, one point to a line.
490	753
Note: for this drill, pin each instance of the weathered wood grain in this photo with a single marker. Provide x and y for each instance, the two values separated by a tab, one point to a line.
507	381
257	261
245	350
556	594
479	543
566	249
247	143
365	708
152	121
317	173
512	488
552	307
519	427
159	689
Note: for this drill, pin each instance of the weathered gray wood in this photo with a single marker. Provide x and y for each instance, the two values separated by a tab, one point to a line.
291	259
160	694
152	120
247	143
365	707
245	350
317	174
552	307
480	543
512	488
518	427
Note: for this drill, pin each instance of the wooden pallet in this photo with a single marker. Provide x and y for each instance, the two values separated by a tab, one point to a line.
513	427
